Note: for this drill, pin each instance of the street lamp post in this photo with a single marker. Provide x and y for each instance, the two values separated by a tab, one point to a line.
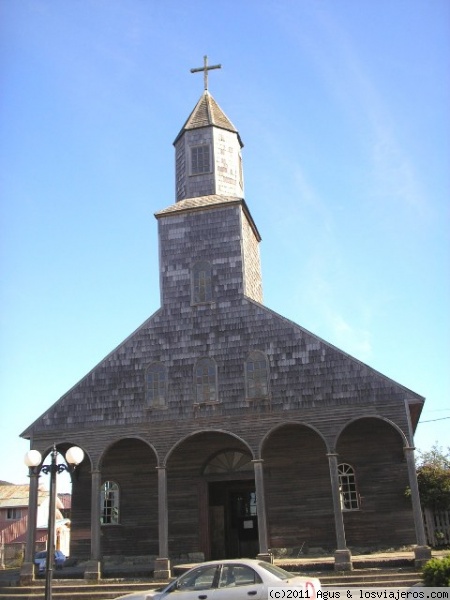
33	460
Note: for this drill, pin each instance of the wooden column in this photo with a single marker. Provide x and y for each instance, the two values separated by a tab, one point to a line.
27	570
422	552
162	563
93	567
342	555
95	515
32	517
264	553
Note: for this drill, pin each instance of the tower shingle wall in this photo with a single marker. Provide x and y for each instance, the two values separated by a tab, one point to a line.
189	237
226	164
187	185
252	261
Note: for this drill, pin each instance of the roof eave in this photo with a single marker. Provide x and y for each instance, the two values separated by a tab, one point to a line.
232	130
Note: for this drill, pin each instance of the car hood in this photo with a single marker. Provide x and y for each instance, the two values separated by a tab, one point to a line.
136	596
150	595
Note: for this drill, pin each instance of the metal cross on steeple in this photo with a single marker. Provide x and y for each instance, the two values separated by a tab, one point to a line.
205	70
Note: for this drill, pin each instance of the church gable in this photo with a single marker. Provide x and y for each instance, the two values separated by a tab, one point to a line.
304	375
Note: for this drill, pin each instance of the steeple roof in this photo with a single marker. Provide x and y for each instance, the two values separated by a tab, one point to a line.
208	113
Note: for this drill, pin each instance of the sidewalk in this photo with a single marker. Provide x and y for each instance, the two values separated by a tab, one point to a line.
360	561
380	560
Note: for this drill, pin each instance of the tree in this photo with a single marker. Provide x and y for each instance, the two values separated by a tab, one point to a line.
433	477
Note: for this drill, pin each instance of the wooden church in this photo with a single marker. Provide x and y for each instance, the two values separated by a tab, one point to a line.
219	428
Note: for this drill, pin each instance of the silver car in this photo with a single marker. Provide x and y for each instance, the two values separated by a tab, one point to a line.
231	580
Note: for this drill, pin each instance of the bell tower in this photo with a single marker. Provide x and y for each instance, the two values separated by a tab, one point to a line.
208	150
209	243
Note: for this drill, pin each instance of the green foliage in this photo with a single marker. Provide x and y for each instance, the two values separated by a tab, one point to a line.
433	477
436	572
434	488
437	457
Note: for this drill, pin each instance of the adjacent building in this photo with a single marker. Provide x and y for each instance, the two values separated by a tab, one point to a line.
14	521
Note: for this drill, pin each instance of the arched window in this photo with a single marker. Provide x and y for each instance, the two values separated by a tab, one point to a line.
205	381
109	503
156	385
347	487
257	375
201	282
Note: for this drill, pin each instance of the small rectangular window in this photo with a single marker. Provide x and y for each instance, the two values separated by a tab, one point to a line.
13	514
347	487
200	160
109	503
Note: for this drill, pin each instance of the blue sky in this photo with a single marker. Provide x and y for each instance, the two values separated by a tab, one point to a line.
343	110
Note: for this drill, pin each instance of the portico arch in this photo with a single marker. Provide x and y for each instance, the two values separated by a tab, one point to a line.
207	472
298	488
282	425
128	466
64	537
375	417
374	447
206	432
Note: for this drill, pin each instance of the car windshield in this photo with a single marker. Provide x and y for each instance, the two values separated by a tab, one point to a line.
274	570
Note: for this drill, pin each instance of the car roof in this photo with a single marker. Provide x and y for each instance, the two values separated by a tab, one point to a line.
229	561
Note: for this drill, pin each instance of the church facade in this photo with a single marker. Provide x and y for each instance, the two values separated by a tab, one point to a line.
220	428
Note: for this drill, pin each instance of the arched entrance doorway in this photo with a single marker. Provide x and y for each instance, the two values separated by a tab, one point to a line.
233	516
211	497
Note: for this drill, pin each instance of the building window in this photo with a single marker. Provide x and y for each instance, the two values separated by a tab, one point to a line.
205	381
202	282
13	514
347	487
257	375
200	160
109	503
156	385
